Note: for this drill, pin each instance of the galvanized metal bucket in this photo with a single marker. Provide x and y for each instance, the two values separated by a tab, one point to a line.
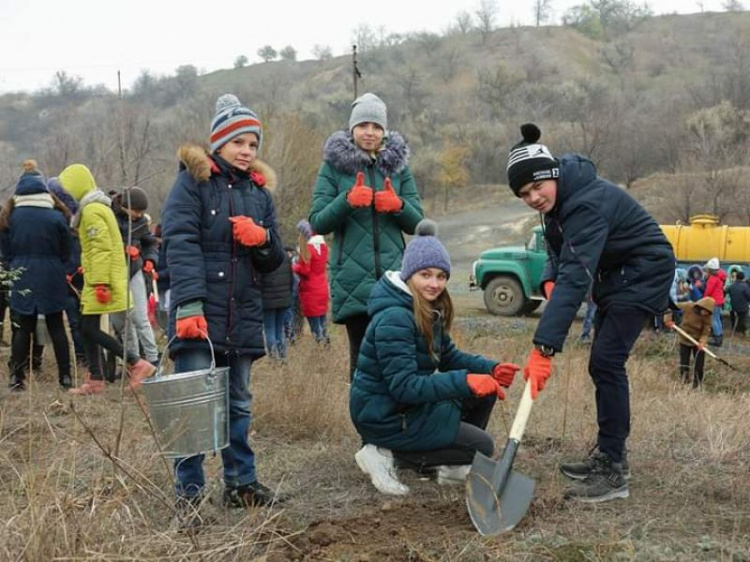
190	411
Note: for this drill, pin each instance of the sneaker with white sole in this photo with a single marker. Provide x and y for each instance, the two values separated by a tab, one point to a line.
604	483
381	469
453	475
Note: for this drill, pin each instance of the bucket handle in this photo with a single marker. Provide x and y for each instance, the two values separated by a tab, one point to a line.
166	350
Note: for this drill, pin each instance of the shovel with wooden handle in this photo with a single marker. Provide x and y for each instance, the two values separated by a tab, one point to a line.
708	351
497	496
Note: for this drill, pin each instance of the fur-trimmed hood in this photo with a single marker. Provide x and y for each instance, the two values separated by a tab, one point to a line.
196	160
341	152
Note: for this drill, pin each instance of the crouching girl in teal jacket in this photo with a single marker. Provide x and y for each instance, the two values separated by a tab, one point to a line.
417	400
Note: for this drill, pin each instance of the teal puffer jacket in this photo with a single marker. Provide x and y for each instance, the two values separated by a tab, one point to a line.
365	243
401	398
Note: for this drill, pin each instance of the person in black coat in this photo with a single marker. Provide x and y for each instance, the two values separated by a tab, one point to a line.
597	236
277	298
739	294
219	233
35	239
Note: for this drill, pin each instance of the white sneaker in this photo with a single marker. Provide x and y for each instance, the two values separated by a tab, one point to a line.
451	475
381	470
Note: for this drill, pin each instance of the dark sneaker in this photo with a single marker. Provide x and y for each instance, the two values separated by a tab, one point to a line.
255	494
605	482
582	469
188	519
65	382
16	384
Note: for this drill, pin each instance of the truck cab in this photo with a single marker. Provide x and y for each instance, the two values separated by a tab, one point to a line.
510	275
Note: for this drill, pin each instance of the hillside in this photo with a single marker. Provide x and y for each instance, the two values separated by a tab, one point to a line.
669	96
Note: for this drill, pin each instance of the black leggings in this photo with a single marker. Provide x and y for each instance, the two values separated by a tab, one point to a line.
356	326
700	358
22	342
93	337
471	437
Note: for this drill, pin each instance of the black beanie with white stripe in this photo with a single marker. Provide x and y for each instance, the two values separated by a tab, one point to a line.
530	161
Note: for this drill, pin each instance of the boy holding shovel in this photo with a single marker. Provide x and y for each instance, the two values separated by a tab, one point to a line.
597	235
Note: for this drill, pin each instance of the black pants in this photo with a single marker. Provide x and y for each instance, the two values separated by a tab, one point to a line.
93	337
700	358
356	326
22	342
471	437
616	330
739	321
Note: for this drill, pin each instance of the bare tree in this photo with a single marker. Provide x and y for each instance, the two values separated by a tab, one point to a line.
463	22
486	18
288	53
542	11
364	37
267	53
733	6
322	52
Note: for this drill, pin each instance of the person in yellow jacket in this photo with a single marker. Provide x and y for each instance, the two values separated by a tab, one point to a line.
105	274
696	322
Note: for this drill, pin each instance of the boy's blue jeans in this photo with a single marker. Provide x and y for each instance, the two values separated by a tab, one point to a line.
238	458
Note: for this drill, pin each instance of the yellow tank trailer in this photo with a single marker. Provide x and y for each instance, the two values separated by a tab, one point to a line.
705	238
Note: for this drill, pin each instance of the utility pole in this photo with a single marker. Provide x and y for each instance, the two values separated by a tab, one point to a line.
123	169
356	74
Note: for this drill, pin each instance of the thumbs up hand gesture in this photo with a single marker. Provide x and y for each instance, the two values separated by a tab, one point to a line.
360	195
387	201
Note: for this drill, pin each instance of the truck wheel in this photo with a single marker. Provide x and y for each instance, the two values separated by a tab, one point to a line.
504	296
531	306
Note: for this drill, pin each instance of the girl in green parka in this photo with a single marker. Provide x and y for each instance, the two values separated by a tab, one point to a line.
105	274
416	399
366	196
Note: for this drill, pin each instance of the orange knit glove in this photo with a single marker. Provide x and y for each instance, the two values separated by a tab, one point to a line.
484	385
148	269
504	373
547	288
133	252
538	369
103	294
360	195
247	233
387	201
192	327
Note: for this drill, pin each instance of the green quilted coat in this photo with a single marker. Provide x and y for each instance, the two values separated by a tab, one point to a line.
365	243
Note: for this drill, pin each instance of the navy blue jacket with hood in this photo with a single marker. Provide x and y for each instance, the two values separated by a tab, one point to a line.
401	397
597	233
205	262
37	242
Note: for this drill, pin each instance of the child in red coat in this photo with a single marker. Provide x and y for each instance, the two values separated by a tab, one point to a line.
313	279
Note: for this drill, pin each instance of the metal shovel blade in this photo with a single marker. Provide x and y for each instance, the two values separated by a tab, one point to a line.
493	511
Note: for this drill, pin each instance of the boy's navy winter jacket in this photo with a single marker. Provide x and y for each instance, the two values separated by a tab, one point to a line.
597	233
739	293
205	262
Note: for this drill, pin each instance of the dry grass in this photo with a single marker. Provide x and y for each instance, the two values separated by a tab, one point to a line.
62	498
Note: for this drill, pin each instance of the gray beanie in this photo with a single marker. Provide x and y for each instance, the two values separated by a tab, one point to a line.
425	250
368	108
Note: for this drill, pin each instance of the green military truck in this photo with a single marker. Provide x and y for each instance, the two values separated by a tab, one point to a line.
510	275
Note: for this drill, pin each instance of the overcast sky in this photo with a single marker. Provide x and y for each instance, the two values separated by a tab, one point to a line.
94	38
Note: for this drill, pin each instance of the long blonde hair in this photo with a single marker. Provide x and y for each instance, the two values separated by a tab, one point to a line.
304	251
424	314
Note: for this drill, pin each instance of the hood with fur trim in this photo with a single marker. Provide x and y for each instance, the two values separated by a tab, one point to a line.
198	163
341	152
